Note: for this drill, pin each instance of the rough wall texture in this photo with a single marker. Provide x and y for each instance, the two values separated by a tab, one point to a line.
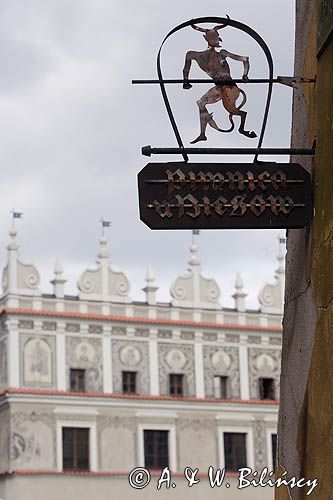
306	416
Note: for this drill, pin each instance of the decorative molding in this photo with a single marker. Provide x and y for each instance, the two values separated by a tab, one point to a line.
187	353
221	361
86	354
263	363
130	355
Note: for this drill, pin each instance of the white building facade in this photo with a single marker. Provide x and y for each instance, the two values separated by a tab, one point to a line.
95	385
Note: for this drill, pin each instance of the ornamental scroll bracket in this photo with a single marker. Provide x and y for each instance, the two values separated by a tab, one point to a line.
214	63
261	195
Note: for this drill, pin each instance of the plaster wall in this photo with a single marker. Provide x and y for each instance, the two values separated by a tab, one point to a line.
306	417
85	488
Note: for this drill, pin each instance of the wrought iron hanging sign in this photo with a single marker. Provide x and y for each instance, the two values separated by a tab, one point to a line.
237	196
220	195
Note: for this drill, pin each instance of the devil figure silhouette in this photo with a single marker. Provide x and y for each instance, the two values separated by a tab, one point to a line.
214	64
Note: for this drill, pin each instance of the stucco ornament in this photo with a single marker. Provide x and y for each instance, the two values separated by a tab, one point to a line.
130	356
176	359
85	352
194	290
18	277
271	296
221	361
37	362
264	363
104	283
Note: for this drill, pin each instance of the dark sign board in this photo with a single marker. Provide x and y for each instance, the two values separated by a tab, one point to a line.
224	196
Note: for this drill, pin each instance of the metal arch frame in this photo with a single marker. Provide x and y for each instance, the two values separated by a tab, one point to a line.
235	24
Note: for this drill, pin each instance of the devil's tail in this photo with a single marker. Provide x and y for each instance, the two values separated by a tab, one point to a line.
213	123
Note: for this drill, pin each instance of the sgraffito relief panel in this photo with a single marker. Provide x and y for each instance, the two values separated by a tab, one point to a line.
264	363
85	354
223	361
3	364
260	445
32	443
117	433
176	358
4	440
37	361
197	443
130	356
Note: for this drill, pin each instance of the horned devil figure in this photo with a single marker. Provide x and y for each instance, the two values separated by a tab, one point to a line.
215	65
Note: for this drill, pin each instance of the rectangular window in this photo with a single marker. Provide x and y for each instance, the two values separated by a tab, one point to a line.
221	389
234	450
156	448
176	383
274	444
77	380
266	388
129	382
75	448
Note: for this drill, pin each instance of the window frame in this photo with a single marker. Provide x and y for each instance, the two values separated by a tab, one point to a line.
227	386
155	442
269	432
172	448
75	447
77	370
182	385
249	444
91	426
260	379
135	381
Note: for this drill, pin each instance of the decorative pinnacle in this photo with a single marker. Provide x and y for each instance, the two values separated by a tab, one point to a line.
103	251
239	285
150	275
193	260
58	269
12	243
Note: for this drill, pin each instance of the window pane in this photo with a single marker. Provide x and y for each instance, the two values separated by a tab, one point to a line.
67	448
266	388
156	449
234	451
129	382
82	449
176	383
223	387
75	445
274	443
77	380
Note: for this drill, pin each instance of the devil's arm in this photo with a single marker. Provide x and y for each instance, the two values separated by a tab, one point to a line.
244	59
186	70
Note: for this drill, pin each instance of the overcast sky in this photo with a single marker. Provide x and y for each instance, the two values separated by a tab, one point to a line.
72	127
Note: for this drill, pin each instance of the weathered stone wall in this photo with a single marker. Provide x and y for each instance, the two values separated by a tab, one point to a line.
305	419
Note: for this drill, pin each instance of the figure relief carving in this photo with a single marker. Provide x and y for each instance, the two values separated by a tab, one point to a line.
264	363
37	362
130	355
221	361
85	352
176	359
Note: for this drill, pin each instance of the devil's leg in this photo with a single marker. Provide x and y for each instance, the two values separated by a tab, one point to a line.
230	96
213	95
241	129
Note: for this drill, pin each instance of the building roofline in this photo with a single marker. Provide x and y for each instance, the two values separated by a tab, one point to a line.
131	319
81	395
